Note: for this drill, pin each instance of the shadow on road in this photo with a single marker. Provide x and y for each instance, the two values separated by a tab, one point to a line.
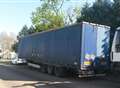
43	83
23	77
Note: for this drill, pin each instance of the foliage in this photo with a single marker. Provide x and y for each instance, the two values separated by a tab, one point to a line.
15	46
23	32
49	15
31	30
26	31
116	13
6	42
99	12
102	12
71	15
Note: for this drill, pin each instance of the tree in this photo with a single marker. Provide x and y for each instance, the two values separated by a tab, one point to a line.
6	42
54	5
102	12
23	32
15	46
49	15
31	30
26	31
116	13
72	14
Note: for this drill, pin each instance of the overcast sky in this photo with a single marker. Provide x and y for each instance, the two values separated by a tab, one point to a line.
15	13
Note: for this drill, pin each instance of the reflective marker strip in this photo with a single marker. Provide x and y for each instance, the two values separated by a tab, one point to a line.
87	62
34	65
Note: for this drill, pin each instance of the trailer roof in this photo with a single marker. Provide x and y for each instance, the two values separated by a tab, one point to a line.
67	26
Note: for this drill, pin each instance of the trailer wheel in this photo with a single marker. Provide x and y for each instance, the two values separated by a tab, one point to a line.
59	71
44	68
50	70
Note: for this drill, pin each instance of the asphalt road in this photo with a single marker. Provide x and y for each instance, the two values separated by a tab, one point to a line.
12	76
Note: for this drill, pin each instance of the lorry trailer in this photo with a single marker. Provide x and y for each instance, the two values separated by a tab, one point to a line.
82	48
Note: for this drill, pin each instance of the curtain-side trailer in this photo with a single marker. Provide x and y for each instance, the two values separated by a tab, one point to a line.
82	48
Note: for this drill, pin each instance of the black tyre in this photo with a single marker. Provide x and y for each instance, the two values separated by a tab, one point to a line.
44	68
50	69
59	71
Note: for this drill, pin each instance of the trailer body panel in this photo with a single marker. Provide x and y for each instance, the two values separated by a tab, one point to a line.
74	46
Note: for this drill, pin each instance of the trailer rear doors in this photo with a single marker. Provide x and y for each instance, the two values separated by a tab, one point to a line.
89	45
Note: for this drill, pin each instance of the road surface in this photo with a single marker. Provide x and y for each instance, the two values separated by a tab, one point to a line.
12	76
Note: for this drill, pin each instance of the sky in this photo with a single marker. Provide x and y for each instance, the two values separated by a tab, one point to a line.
16	13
